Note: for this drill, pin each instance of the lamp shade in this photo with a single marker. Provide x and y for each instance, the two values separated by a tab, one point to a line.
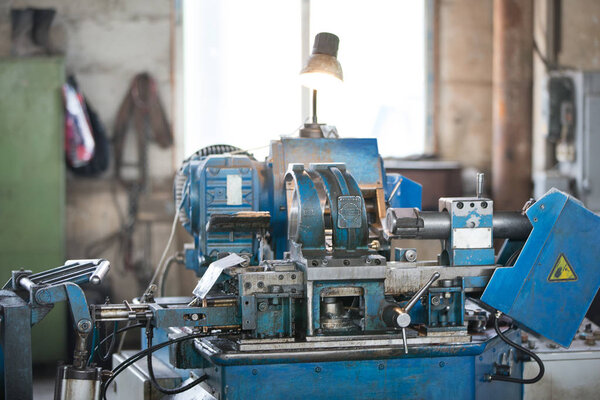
322	68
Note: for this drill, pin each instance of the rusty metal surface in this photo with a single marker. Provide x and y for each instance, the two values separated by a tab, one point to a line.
512	103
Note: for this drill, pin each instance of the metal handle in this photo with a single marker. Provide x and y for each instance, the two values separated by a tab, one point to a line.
394	191
100	272
400	316
420	292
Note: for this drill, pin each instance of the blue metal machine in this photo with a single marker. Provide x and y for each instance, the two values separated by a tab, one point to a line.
311	295
318	309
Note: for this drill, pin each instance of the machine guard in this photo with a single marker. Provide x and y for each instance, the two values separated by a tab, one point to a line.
556	276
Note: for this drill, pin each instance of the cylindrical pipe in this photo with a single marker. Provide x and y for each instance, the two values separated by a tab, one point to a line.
100	272
511	225
479	185
26	283
436	225
512	103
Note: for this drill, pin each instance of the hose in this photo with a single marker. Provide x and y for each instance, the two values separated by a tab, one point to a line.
524	350
143	353
163	277
112	337
149	335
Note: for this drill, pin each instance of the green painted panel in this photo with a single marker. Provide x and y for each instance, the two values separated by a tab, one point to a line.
32	182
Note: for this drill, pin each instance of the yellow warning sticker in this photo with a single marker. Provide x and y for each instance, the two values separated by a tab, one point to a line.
562	271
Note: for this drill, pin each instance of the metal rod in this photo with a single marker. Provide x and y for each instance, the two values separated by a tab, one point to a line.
100	272
314	101
479	185
417	296
437	225
396	187
61	271
26	283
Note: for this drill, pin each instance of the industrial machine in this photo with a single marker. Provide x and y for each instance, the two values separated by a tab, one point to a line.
301	296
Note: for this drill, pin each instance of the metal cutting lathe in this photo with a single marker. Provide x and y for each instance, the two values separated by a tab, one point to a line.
302	295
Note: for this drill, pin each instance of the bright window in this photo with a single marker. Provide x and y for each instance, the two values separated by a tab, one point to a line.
242	59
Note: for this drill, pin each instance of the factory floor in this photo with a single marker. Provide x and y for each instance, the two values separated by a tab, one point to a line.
43	382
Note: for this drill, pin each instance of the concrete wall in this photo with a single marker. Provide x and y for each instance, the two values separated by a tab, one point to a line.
105	43
464	88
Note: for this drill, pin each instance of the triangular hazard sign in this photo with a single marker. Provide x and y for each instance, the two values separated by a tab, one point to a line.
562	271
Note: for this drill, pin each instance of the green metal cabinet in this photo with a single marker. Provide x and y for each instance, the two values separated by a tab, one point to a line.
32	182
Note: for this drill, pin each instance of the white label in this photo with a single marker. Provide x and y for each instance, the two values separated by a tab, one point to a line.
472	238
213	272
234	190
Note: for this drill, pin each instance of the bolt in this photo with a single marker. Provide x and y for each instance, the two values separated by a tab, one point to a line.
484	204
254	372
317	369
280	277
293	276
381	366
195	317
442	364
260	284
42	297
314	263
346	262
247	285
435	300
410	255
84	325
262	306
447	295
472	205
324	261
377	261
460	205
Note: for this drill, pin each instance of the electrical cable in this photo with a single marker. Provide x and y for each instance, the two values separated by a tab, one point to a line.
113	337
111	346
513	258
94	337
148	351
149	335
169	242
524	350
163	276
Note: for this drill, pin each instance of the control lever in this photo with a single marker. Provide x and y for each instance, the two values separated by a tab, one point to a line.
400	317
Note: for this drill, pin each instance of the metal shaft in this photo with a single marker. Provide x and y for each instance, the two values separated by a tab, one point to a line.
437	225
417	296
